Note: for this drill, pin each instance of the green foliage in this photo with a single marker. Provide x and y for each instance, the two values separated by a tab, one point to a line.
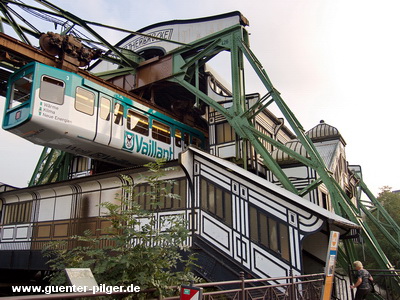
139	248
391	202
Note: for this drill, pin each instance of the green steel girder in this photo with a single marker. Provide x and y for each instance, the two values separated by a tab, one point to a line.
55	11
53	165
239	126
119	72
234	40
85	24
341	203
383	219
283	148
11	21
23	29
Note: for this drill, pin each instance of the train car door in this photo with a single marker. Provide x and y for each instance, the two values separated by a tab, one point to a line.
181	141
178	142
104	124
83	114
117	127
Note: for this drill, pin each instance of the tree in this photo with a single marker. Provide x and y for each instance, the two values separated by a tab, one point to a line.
391	202
139	247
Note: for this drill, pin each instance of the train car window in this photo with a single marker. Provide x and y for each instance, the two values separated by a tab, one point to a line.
52	90
118	113
178	138
84	101
138	123
161	132
21	91
196	141
105	108
185	140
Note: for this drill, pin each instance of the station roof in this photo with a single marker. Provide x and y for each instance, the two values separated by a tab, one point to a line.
324	132
326	139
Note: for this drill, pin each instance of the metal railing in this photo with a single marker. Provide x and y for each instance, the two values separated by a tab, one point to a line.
303	287
385	283
341	288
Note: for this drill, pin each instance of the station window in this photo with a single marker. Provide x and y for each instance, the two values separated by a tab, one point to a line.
269	233
17	213
163	198
52	90
224	133
216	201
264	131
105	108
81	165
137	122
178	188
118	114
324	200
84	101
161	132
21	91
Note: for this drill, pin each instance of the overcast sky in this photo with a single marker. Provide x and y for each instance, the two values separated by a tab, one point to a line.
337	61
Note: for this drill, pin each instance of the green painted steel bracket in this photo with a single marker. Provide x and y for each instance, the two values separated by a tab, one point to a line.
381	212
56	11
53	165
240	119
11	21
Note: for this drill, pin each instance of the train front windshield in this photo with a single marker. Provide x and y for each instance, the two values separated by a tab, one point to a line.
20	91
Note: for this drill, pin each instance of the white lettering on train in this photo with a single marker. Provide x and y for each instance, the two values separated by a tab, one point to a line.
151	148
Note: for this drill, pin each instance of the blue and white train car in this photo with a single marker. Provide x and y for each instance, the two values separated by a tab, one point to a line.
65	111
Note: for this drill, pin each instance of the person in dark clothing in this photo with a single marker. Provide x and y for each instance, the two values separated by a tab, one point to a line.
362	284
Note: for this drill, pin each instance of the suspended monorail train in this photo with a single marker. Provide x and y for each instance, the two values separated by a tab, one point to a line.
63	110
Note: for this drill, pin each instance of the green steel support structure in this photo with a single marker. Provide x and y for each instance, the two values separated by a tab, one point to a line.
234	40
53	165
